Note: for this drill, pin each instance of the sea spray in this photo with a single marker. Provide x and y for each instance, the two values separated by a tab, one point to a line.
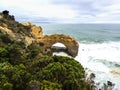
101	59
99	49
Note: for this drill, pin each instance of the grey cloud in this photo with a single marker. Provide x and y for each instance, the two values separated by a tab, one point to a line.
85	10
91	7
82	7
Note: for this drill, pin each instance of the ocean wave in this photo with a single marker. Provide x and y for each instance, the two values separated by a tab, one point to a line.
90	40
101	59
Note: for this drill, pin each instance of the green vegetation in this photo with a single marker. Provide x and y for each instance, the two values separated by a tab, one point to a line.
9	22
28	68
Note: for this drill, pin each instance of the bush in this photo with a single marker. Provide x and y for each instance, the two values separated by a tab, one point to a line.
3	55
8	86
61	70
47	85
5	38
33	67
41	43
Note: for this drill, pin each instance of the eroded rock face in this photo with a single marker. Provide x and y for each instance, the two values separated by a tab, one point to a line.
46	40
1	17
27	40
70	43
7	31
35	30
49	40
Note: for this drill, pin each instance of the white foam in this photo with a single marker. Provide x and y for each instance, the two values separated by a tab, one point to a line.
61	54
92	56
108	51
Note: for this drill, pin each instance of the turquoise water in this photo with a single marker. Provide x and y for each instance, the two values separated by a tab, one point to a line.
99	49
86	32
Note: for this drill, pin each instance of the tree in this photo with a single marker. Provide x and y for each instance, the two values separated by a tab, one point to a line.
5	12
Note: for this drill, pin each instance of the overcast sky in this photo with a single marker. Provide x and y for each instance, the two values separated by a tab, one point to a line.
64	11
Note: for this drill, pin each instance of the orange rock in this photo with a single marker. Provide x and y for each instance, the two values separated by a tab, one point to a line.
69	42
35	30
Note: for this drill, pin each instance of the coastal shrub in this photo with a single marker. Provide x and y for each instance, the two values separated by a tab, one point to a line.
47	85
62	70
3	55
7	86
15	54
33	85
5	38
5	12
17	75
41	43
3	52
33	67
34	53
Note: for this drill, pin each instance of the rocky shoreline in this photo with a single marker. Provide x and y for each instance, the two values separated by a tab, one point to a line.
90	78
36	34
26	61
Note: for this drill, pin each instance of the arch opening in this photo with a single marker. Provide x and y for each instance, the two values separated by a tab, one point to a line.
59	49
59	45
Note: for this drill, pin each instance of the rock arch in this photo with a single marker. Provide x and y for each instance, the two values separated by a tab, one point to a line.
70	43
48	40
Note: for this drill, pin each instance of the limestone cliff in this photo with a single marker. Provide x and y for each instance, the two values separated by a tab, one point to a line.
35	30
49	40
17	36
70	43
28	33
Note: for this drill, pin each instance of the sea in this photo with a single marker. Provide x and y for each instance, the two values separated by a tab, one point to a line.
99	48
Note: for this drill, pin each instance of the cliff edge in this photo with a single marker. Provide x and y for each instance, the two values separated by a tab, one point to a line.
28	33
26	61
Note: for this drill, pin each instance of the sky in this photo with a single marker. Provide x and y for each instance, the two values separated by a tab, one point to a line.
64	11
